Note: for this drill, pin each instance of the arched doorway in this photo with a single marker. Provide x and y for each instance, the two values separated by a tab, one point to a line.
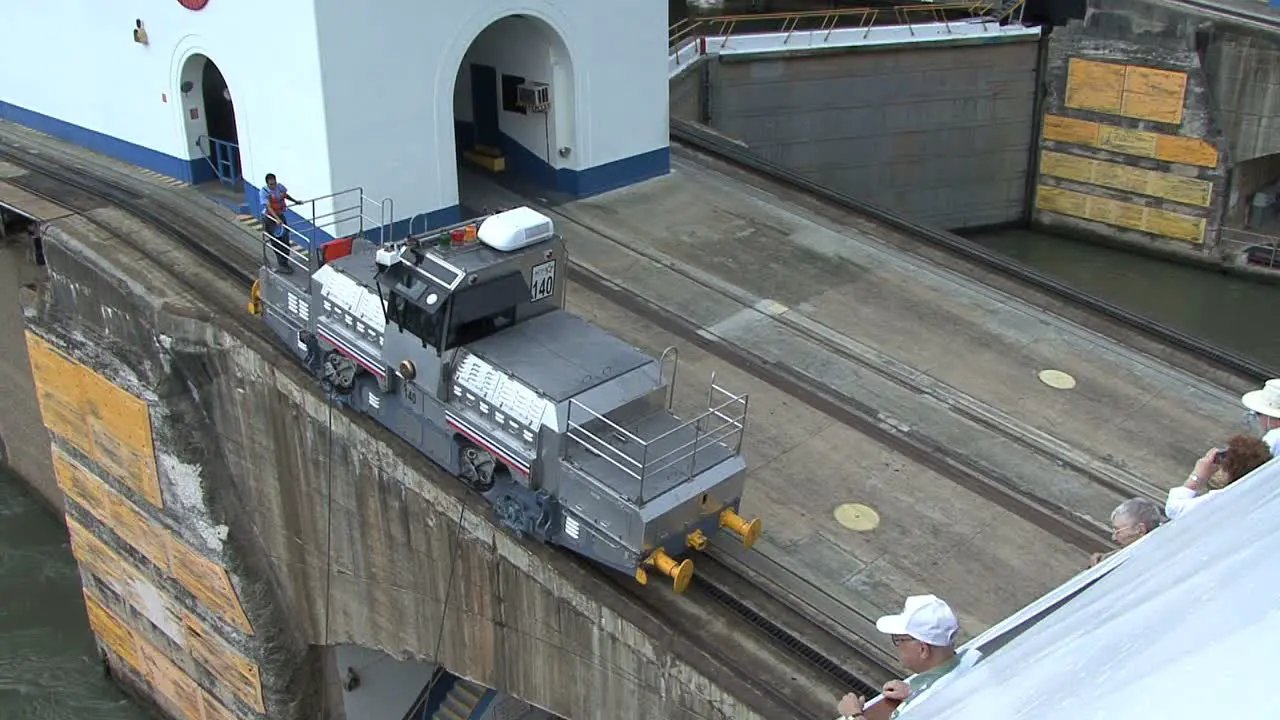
209	117
514	113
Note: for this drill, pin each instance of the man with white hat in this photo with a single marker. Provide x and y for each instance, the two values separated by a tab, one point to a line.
924	635
1264	413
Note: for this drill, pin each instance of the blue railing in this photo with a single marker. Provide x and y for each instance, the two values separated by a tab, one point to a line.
223	157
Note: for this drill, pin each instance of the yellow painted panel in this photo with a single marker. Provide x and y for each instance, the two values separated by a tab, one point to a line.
1062	201
1151	94
101	420
179	689
207	581
171	682
1095	86
1154	81
232	669
214	710
97	558
112	509
113	633
1129	142
1169	148
1185	150
1120	214
1070	167
1188	191
1149	107
1105	210
58	392
1071	130
1118	176
1174	225
127	581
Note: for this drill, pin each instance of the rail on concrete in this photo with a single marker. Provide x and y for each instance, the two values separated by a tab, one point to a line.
696	136
691	39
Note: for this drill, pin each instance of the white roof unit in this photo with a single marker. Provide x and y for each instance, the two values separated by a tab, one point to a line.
515	229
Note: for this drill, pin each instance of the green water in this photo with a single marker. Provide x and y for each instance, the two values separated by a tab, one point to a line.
1228	311
49	667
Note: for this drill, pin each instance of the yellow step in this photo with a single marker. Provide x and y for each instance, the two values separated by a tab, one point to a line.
490	163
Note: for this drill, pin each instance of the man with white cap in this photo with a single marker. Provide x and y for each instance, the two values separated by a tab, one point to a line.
1264	413
924	635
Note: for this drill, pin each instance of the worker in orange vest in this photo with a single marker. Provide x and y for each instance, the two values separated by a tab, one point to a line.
271	199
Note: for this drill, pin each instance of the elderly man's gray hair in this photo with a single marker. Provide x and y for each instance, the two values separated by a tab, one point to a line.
1145	511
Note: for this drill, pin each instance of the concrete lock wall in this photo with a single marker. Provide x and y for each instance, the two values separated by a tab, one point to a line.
227	521
173	602
941	133
1244	77
1130	148
1244	74
24	442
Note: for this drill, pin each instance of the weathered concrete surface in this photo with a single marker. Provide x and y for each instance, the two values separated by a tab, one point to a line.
24	442
334	533
934	353
688	93
1244	74
942	134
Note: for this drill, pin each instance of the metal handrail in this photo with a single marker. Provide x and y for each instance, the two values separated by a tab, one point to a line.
642	467
213	156
355	210
724	26
1245	241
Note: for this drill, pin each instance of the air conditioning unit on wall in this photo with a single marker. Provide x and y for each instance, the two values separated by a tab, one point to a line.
535	97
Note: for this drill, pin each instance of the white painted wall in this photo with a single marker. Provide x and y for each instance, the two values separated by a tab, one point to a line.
530	49
389	74
333	94
76	60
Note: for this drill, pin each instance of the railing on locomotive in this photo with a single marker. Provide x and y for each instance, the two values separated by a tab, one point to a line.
727	433
350	208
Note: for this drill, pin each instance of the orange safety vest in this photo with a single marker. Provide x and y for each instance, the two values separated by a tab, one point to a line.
275	201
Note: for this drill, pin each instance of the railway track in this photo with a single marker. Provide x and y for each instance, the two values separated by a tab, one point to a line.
834	662
989	482
704	140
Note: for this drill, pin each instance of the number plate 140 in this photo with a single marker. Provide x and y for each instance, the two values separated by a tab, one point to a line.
543	283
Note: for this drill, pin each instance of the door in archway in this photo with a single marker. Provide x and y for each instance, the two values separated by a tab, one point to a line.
484	104
220	119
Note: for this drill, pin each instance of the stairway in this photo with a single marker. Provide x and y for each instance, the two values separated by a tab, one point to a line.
461	701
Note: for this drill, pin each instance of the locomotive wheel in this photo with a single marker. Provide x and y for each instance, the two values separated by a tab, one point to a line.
477	467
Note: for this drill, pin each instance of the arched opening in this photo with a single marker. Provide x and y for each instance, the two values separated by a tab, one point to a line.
513	106
209	118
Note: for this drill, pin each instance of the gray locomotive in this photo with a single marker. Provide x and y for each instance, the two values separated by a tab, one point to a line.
457	340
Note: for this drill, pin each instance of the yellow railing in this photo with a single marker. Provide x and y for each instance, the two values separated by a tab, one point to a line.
826	21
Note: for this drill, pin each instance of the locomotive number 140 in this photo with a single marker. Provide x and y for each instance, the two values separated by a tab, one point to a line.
544	281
